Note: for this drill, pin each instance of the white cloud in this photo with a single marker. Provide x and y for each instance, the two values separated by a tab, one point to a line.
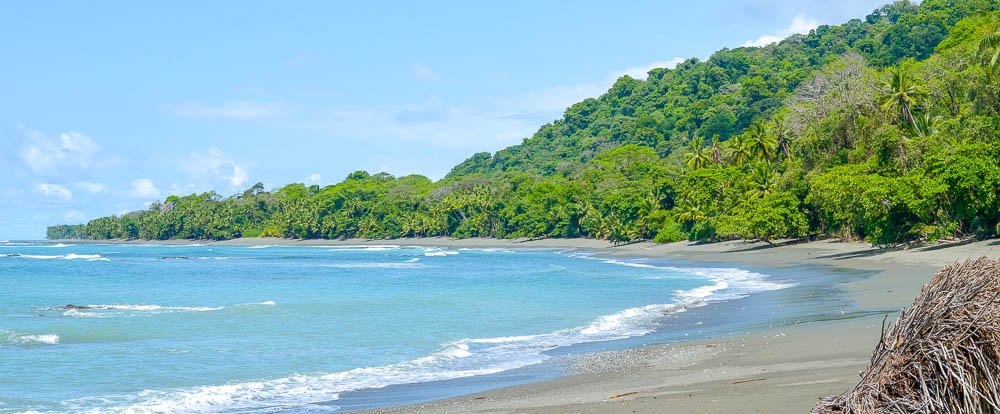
45	156
800	25
314	178
425	73
144	188
90	187
239	176
217	165
54	191
237	110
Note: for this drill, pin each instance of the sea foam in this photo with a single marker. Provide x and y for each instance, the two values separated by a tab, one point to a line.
27	340
457	359
70	256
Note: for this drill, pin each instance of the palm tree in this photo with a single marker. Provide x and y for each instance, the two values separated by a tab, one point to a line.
900	93
928	122
716	151
782	135
762	143
698	157
989	49
740	149
761	181
690	213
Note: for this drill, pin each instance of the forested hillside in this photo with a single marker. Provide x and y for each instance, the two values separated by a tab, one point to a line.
884	129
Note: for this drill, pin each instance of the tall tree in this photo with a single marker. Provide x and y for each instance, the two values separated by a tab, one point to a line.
901	93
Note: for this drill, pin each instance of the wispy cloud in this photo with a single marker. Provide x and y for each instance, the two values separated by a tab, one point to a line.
90	187
314	178
425	73
800	25
453	129
144	188
46	156
54	191
235	110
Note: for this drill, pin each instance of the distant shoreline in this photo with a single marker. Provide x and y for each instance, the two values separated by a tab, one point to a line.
475	242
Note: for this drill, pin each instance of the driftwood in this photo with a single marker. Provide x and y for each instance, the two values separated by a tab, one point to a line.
749	380
941	356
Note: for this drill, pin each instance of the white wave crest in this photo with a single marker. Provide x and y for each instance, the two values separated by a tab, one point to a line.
19	339
362	248
70	256
728	283
376	265
439	253
87	257
458	359
129	310
38	256
147	308
264	303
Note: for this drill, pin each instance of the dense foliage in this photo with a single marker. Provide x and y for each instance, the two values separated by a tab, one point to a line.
883	129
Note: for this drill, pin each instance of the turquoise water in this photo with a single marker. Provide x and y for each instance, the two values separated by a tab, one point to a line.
269	329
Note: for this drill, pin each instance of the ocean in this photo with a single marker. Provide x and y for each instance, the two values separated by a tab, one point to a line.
208	328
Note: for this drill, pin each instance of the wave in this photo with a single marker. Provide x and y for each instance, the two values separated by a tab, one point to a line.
112	310
362	248
200	257
458	359
728	283
439	253
87	257
19	339
157	307
263	246
377	265
264	303
8	243
488	249
70	256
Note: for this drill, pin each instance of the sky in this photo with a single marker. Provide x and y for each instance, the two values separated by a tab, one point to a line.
107	106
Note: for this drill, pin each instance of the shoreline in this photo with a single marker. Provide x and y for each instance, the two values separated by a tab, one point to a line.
780	369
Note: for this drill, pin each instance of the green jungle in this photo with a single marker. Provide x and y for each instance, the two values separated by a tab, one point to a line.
883	129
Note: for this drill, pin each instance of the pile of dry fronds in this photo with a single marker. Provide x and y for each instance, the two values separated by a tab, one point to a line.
942	355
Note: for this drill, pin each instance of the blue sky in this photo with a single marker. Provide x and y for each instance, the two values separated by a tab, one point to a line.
107	106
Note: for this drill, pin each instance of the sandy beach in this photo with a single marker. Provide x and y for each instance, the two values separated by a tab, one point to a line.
779	370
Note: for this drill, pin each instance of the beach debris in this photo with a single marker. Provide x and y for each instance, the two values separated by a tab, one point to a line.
749	380
623	395
943	353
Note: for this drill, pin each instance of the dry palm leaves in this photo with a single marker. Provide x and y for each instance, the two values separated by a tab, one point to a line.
942	355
